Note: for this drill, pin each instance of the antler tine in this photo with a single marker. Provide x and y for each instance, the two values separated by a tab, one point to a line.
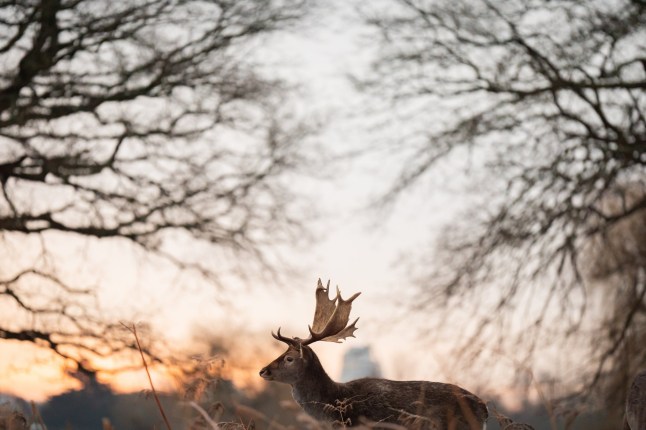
331	317
288	341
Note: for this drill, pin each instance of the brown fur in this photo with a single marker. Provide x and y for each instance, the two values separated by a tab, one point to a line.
413	404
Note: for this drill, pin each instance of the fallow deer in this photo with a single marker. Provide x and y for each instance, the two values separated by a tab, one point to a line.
413	404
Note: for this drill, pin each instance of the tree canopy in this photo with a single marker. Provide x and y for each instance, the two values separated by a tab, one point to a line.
141	121
549	96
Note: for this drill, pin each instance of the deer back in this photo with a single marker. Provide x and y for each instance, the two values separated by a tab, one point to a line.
413	404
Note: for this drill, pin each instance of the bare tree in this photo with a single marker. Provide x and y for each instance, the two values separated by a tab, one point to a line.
615	263
139	120
550	94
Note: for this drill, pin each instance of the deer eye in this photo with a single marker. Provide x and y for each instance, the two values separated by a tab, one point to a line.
289	359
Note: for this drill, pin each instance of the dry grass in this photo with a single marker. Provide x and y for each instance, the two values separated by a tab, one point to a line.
209	416
11	419
206	412
133	330
207	419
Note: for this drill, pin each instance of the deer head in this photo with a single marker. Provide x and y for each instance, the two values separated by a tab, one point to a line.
330	325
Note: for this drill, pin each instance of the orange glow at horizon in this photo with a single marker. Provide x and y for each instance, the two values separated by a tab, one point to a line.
167	379
32	373
41	375
35	374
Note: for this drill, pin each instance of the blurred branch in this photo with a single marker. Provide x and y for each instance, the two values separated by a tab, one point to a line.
139	120
551	95
133	329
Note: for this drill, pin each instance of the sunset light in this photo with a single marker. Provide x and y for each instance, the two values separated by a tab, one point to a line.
260	214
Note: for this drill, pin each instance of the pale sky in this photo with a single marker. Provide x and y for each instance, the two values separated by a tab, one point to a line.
356	248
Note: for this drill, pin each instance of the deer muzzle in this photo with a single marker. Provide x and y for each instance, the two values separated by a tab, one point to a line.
265	374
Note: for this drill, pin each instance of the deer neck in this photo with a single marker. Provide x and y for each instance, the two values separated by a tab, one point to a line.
316	386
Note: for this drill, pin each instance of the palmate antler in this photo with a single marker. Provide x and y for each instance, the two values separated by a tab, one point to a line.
330	319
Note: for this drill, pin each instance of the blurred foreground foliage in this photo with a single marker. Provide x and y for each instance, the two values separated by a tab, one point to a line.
272	407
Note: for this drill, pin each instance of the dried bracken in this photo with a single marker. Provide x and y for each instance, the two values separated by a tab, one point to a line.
505	422
10	419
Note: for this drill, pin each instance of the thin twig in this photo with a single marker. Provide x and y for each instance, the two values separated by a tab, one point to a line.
36	414
204	414
133	330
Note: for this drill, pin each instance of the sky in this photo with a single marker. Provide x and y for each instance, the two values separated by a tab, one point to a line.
357	248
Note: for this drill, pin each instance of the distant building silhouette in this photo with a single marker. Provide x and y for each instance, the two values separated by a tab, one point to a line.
358	363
